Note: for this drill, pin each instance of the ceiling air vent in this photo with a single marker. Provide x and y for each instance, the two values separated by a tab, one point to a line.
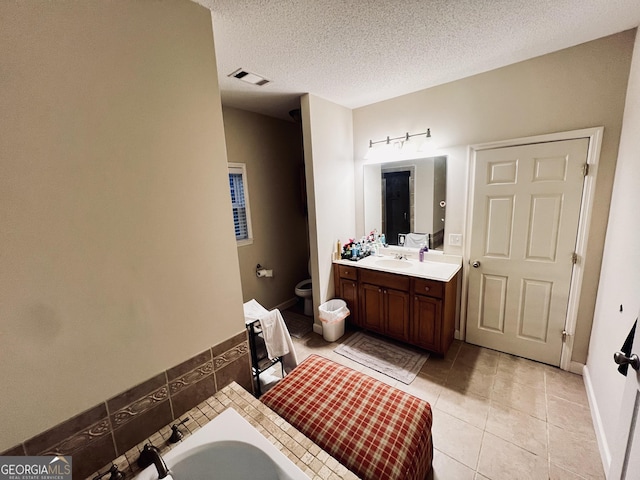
249	77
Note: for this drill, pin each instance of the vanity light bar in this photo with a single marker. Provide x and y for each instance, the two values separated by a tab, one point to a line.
405	137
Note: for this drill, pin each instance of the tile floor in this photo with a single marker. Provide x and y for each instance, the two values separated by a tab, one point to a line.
496	416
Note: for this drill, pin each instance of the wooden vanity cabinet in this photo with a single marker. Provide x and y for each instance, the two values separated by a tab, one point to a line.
434	313
346	286
385	303
411	309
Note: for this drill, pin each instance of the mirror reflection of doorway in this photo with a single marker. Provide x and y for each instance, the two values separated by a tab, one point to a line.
397	216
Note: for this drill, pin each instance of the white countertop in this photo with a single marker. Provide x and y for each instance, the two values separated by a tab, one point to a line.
435	266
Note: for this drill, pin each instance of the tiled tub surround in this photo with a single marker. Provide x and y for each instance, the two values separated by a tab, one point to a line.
113	427
311	459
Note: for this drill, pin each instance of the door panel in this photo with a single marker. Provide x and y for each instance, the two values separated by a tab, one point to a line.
625	454
499	226
525	213
397	314
493	302
426	322
372	307
533	320
349	293
544	225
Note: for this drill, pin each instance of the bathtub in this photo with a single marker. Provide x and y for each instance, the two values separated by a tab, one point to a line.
227	448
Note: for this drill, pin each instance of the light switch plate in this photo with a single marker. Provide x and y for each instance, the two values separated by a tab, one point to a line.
455	239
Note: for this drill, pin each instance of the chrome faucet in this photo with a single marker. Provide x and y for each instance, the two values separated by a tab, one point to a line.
402	256
151	454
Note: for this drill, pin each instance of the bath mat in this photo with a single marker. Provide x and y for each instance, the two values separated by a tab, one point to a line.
298	325
395	361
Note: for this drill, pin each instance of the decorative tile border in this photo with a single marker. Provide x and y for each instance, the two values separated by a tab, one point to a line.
140	406
190	378
80	440
93	435
230	355
309	457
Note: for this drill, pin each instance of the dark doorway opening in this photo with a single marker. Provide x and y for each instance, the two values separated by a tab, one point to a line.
397	205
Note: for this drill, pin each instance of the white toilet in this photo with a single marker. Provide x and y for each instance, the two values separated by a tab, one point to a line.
303	290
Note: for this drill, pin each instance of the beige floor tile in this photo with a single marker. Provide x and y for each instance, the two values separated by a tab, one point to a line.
469	380
437	369
456	438
558	473
479	358
479	476
575	452
519	428
521	370
446	468
423	387
570	416
520	397
568	386
501	460
465	406
452	353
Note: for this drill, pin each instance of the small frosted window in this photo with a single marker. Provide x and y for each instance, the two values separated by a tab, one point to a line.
240	203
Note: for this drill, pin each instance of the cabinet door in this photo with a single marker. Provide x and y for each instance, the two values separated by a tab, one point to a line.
427	320
349	293
397	314
372	298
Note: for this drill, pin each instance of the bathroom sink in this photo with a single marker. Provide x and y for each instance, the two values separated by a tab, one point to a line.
392	263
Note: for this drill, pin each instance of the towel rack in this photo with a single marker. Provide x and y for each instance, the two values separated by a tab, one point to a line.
260	361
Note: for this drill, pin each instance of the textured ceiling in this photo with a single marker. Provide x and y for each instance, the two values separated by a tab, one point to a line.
358	52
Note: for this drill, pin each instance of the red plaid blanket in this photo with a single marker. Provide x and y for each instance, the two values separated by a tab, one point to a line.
376	431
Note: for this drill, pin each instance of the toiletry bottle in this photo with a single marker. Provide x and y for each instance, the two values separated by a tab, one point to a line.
382	239
423	249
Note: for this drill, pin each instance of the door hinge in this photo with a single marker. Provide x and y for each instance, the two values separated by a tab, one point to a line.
585	169
574	258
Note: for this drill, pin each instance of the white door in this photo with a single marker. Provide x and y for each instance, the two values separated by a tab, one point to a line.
526	209
625	458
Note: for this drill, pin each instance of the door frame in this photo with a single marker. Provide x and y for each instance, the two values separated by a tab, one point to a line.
594	134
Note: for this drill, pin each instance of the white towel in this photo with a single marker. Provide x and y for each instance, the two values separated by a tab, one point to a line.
275	333
415	240
253	311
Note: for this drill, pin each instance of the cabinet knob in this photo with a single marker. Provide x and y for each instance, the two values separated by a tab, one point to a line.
426	289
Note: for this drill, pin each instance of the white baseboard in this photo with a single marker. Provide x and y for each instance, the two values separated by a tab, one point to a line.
603	446
575	367
288	304
317	328
456	335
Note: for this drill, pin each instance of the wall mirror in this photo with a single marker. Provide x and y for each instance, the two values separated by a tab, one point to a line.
406	200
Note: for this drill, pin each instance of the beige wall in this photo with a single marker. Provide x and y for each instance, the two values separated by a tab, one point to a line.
272	152
328	151
620	277
118	257
579	87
